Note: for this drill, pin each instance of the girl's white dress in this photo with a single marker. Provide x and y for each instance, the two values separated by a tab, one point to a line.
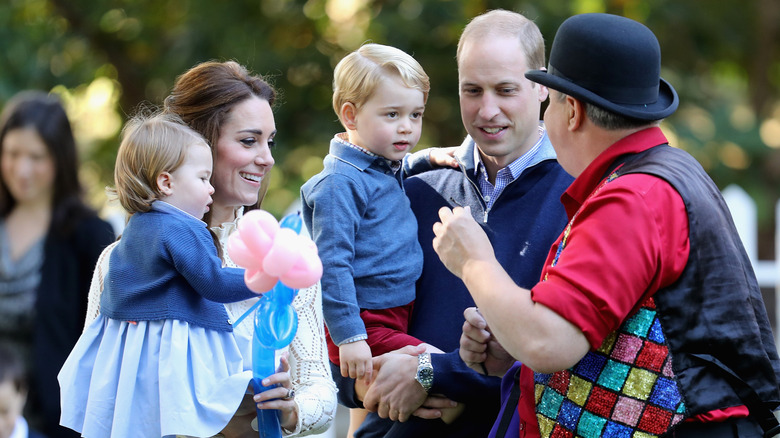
226	375
151	379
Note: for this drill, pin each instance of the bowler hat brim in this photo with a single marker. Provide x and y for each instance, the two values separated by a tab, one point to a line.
664	106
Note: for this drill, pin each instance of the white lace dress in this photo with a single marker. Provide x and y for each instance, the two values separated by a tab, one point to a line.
315	392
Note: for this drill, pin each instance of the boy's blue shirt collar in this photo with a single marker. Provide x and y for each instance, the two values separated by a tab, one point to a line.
350	155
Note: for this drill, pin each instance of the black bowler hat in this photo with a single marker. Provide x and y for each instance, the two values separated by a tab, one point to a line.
611	62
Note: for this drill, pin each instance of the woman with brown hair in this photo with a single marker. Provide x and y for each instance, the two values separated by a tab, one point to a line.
232	109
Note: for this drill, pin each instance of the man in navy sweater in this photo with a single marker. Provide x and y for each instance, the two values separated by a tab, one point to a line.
510	178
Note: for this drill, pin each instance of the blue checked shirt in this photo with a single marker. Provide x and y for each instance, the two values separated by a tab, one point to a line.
506	175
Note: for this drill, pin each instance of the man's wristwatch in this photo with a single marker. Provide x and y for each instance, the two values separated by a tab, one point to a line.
424	371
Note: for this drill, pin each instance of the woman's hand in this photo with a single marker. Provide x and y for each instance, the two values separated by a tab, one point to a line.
281	397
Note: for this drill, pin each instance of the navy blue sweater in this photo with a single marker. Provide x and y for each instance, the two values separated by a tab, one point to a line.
165	266
522	224
360	219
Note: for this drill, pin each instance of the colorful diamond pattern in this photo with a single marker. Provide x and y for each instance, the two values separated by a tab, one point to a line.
633	393
664	395
590	426
652	356
626	388
601	402
656	334
639	383
569	415
640	323
616	430
614	375
579	390
590	366
626	348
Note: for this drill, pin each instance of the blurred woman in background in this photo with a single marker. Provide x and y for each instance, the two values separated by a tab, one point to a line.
50	241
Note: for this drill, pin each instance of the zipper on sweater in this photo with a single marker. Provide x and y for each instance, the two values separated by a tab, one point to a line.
477	190
487	210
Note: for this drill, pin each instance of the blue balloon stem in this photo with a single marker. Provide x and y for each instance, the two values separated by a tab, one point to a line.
275	325
263	366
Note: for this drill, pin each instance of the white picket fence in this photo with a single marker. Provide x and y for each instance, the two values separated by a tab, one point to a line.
744	211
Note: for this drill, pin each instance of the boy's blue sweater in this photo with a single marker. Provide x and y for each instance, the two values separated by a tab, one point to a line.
366	234
525	220
165	266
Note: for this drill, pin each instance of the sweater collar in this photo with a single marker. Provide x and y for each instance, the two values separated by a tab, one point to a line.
165	207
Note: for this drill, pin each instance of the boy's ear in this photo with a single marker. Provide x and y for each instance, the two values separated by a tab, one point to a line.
349	115
165	183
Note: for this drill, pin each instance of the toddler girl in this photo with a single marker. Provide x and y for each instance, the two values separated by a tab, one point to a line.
161	358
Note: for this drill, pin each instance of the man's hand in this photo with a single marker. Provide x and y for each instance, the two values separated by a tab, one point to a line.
439	406
361	386
395	394
459	239
479	349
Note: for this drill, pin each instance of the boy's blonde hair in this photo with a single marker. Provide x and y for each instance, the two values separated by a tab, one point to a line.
357	75
150	146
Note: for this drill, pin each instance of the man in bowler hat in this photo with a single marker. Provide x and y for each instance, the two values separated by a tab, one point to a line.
647	317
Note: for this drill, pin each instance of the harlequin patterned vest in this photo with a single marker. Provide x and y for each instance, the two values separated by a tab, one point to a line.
653	371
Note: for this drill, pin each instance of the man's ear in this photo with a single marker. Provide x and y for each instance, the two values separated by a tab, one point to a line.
165	183
575	113
349	115
542	92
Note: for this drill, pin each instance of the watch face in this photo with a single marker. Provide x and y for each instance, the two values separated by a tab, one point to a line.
426	376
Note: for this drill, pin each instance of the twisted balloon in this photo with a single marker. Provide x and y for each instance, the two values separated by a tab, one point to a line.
270	252
280	260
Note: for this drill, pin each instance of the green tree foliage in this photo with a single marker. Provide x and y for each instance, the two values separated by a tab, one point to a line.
723	57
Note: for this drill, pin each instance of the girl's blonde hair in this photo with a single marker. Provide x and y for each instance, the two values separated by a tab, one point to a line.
357	75
151	145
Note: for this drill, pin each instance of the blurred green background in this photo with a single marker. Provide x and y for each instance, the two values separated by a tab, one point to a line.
107	56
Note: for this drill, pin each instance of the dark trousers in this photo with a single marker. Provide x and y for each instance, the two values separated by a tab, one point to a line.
739	427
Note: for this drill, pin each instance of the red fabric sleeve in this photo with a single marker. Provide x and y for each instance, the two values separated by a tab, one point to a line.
386	330
627	241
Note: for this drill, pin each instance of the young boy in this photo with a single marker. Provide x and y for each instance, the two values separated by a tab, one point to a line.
358	213
13	395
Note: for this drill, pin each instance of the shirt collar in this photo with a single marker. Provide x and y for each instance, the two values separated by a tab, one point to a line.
358	156
583	185
541	150
21	429
226	228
